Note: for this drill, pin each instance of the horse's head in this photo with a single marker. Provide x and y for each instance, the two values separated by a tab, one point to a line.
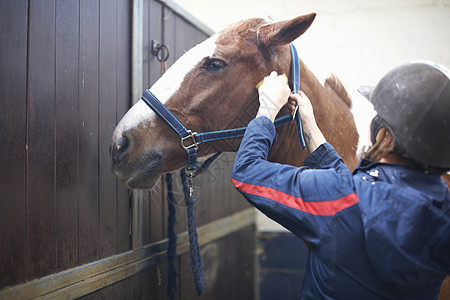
211	87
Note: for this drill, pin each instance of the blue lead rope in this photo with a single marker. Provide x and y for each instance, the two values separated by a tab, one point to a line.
196	261
172	248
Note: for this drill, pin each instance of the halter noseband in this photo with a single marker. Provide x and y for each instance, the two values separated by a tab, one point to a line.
190	140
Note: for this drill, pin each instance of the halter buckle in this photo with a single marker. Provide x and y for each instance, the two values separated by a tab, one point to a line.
191	135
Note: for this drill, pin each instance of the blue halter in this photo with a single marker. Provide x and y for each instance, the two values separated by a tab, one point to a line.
190	140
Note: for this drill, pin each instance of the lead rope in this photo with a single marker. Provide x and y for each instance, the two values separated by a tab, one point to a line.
172	248
196	261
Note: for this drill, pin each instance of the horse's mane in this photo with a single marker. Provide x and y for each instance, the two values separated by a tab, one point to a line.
337	89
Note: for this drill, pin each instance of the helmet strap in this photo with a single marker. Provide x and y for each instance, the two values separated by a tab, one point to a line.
375	126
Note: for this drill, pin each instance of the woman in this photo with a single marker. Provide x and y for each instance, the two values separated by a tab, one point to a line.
383	231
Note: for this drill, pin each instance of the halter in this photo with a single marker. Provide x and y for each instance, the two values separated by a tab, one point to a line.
190	139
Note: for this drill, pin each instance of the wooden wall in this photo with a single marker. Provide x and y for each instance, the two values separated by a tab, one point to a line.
65	81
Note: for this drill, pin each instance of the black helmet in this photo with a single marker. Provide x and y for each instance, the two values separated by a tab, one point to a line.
413	102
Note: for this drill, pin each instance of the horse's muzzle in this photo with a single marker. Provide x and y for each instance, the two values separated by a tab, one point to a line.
141	173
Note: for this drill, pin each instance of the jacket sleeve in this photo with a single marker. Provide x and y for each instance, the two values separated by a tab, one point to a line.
305	199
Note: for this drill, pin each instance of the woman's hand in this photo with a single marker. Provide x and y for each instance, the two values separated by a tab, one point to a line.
311	132
304	108
273	95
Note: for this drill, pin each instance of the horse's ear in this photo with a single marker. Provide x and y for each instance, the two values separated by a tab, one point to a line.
284	32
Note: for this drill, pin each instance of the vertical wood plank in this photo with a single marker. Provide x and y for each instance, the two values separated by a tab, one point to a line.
123	90
159	210
150	283
13	132
155	200
88	82
169	37
92	296
139	215
154	34
107	120
146	198
228	268
66	122
107	293
216	181
145	44
139	285
41	139
187	36
122	290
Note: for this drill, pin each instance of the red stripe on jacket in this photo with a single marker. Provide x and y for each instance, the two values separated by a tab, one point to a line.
321	208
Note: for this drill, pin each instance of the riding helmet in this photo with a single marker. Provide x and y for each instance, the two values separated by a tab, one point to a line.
413	102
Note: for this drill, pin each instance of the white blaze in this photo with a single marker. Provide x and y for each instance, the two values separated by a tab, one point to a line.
167	85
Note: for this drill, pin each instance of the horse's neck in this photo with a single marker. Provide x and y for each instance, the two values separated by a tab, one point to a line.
286	149
333	117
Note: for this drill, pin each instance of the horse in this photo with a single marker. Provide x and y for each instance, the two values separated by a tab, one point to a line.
212	87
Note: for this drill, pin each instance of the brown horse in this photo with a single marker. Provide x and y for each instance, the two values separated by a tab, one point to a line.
212	87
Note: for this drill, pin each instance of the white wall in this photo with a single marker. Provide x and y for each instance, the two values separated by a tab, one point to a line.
358	40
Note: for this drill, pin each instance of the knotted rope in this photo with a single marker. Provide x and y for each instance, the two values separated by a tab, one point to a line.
196	261
172	248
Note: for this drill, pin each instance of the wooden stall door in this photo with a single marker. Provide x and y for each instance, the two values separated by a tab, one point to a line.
65	82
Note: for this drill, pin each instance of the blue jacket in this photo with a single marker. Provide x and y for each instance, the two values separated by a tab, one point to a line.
381	232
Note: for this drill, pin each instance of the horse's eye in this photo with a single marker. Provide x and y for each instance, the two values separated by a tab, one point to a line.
214	65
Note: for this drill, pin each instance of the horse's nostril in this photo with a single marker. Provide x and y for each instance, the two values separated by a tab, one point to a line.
122	143
119	149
